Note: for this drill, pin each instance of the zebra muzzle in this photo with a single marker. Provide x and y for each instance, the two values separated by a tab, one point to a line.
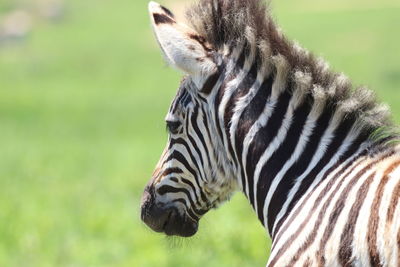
163	218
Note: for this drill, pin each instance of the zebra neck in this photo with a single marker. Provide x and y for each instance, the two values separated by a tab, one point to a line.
287	150
281	142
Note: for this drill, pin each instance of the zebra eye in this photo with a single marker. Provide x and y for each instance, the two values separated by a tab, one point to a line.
173	126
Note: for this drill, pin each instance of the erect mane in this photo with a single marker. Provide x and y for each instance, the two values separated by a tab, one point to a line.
248	23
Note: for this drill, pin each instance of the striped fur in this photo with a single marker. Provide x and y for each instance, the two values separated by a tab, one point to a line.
259	114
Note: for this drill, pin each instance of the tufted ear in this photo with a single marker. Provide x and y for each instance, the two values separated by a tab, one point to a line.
182	47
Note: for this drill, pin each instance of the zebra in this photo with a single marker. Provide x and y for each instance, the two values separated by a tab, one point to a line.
317	158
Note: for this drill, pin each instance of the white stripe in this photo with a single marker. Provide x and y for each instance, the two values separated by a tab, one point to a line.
272	147
240	106
295	101
309	226
322	146
231	87
300	147
315	192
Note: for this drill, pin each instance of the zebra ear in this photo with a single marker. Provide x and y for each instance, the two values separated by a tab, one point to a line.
182	47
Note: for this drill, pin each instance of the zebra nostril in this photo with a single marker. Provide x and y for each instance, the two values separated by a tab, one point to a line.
152	214
146	197
146	203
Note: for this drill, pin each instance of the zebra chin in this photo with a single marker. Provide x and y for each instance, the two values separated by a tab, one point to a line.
167	220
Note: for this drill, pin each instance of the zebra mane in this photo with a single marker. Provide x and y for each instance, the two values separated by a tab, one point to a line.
248	23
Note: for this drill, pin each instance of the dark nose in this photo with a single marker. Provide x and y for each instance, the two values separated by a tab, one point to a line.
151	214
162	219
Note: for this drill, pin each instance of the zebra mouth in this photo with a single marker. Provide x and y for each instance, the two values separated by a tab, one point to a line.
166	220
179	225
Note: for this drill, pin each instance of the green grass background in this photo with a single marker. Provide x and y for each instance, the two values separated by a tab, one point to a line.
82	103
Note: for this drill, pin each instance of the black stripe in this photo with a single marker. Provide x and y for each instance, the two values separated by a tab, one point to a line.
248	117
196	129
162	19
203	197
241	90
181	95
263	138
165	189
194	145
171	170
176	155
288	180
217	100
185	144
339	134
188	210
205	122
196	179
201	40
221	91
166	10
196	148
202	98
243	55
304	160
210	83
186	164
276	162
347	236
343	169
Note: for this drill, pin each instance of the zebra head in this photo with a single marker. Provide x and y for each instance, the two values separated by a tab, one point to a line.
192	175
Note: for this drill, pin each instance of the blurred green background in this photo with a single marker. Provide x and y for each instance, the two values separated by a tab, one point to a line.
83	94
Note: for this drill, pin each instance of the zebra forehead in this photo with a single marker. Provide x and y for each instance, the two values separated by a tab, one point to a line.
183	96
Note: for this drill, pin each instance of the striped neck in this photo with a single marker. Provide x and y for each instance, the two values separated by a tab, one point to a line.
281	140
